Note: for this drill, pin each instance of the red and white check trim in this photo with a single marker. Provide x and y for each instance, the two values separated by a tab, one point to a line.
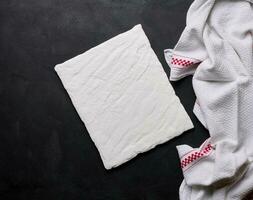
195	155
182	62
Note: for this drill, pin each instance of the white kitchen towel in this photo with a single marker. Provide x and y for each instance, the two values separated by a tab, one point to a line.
216	46
123	96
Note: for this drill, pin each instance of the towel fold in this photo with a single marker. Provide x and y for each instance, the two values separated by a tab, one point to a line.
216	47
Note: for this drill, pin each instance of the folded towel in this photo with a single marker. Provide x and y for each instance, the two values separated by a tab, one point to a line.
123	96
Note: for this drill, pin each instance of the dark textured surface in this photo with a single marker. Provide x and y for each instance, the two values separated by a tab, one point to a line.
45	150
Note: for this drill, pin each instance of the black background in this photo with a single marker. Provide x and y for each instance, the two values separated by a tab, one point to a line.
45	150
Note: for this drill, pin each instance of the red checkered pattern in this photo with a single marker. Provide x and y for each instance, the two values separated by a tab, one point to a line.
181	62
193	156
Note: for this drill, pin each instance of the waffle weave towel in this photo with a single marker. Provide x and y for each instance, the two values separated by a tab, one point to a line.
216	46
